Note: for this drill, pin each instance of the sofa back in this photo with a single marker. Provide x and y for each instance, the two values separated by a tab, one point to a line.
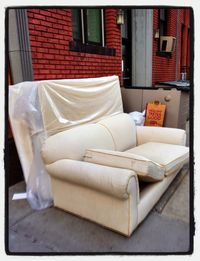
122	129
113	133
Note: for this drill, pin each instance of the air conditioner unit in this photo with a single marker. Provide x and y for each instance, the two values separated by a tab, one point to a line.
167	43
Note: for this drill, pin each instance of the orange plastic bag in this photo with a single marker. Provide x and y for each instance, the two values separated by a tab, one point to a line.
155	113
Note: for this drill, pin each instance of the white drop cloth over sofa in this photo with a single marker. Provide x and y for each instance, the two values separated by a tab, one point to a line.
106	169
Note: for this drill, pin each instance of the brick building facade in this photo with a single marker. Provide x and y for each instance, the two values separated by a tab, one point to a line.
164	68
50	36
168	68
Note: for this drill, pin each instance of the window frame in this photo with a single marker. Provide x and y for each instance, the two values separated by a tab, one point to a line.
163	22
80	26
92	48
84	28
101	32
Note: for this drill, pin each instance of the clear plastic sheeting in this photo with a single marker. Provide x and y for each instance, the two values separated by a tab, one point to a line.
28	132
67	103
43	108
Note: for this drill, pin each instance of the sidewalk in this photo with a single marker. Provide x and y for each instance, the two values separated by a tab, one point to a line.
165	230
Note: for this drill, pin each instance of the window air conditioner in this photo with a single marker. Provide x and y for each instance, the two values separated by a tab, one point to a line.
167	44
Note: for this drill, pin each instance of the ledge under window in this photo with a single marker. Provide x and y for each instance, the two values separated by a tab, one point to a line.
89	48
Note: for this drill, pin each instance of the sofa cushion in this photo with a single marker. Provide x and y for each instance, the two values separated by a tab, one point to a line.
146	169
170	156
122	129
72	143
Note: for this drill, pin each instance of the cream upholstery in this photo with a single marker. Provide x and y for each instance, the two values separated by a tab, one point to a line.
146	169
94	169
111	212
122	130
169	156
112	181
158	134
151	194
71	144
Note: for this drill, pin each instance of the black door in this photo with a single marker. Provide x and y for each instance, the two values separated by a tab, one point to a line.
126	48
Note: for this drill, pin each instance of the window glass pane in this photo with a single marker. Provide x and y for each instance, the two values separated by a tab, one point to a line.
124	27
163	21
76	24
93	25
163	14
162	28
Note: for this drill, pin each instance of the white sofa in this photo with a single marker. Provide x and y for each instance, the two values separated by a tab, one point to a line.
97	169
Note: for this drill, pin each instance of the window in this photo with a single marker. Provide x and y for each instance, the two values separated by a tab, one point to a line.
93	26
76	24
88	32
88	26
163	22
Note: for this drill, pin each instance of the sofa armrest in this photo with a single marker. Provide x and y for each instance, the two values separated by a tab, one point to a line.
113	181
160	134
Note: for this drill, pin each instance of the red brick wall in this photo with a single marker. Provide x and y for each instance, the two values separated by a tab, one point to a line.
164	68
184	39
50	33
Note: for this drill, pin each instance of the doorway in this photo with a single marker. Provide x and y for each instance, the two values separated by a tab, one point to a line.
126	48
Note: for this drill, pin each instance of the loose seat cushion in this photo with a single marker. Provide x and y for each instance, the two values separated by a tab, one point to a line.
122	129
146	169
72	143
170	156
